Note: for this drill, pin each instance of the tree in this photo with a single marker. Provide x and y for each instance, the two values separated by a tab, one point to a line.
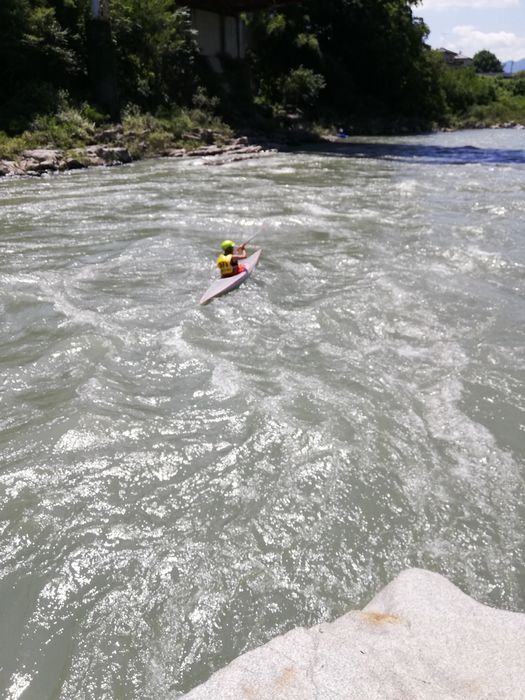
44	47
463	88
486	62
369	55
156	52
40	55
301	88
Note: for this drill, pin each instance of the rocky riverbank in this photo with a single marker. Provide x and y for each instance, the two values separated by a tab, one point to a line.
140	139
420	638
39	161
115	147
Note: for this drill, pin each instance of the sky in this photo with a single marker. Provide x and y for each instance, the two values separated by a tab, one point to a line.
468	26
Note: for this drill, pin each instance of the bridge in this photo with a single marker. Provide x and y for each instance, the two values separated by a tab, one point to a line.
100	8
232	7
220	32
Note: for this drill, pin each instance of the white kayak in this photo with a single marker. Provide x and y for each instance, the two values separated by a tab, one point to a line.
226	284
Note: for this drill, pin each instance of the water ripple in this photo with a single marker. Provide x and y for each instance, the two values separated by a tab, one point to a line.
181	483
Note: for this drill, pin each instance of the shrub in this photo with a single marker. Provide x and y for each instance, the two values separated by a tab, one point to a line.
301	88
11	147
517	85
486	62
462	88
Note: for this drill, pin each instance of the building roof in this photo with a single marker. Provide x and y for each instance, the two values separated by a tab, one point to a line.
228	7
451	57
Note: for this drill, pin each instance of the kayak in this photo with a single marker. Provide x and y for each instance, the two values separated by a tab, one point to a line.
226	284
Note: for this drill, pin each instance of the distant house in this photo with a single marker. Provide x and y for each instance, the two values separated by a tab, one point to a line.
220	31
452	58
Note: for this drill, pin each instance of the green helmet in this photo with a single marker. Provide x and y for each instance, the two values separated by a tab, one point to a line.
227	244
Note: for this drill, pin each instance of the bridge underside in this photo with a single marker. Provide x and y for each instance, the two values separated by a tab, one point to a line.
233	7
220	32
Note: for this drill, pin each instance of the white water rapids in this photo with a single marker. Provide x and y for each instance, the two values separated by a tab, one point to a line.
178	483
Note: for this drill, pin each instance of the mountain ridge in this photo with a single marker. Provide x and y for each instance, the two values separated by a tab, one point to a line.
514	66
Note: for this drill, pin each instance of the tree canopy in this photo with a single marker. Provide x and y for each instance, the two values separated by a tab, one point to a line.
337	60
371	55
44	47
486	62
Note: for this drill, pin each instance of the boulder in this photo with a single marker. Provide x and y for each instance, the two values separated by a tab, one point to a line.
110	135
420	638
107	155
41	166
40	160
72	163
235	147
9	168
175	153
116	155
41	154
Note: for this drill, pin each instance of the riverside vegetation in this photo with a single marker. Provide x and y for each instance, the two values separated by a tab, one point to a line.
312	67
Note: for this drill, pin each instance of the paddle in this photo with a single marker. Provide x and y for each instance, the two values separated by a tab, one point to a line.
248	240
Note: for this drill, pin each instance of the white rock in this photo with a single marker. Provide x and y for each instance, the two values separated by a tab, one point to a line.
42	154
420	638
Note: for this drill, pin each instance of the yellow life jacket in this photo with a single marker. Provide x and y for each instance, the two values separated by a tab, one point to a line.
224	263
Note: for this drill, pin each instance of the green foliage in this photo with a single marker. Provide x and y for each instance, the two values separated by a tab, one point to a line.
10	146
203	102
333	61
508	109
309	41
463	88
67	128
276	24
517	85
40	54
146	134
370	55
156	52
473	100
48	40
142	133
486	62
43	49
301	88
91	114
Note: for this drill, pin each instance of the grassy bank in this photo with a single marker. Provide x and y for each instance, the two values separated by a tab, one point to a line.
143	135
484	101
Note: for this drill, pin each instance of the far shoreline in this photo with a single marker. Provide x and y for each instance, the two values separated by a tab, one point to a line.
111	151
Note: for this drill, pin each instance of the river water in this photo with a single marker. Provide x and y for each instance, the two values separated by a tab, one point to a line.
181	483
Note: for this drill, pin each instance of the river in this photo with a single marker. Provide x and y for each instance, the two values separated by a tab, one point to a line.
180	483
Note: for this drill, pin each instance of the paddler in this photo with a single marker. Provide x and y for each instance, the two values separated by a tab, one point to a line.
228	260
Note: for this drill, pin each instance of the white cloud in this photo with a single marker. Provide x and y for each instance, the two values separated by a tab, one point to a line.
471	4
468	40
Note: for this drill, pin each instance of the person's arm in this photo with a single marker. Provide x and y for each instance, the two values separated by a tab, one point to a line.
239	253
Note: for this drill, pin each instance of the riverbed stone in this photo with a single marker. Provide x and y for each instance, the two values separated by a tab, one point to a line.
107	155
237	148
73	163
175	152
419	638
8	168
40	160
41	154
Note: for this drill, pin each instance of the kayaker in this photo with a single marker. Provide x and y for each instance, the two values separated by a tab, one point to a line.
228	260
